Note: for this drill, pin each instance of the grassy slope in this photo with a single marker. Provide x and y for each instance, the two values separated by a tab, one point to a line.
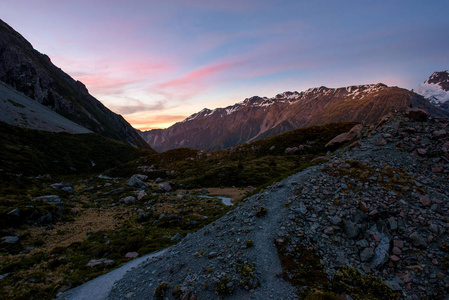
93	226
34	152
246	164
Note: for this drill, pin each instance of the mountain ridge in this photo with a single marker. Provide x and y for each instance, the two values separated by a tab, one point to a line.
258	117
32	73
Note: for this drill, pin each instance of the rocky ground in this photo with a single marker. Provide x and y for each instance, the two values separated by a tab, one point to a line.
379	206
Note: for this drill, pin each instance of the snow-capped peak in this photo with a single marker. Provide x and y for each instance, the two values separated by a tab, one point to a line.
435	88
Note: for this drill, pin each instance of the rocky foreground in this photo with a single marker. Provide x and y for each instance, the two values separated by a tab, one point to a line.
379	206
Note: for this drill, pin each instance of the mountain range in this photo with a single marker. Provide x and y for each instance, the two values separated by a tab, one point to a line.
32	73
256	117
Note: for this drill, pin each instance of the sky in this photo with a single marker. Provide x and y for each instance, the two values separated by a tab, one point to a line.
157	62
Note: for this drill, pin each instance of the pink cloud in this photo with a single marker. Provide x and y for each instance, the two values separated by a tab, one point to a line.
193	82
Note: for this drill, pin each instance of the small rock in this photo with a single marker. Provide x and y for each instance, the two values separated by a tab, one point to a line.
381	142
52	200
129	199
418	240
131	255
177	237
394	258
10	239
421	151
366	254
101	261
15	212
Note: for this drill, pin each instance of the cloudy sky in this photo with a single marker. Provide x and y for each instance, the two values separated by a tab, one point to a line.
157	62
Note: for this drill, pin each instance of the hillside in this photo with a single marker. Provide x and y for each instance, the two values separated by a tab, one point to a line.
369	222
256	117
19	110
33	73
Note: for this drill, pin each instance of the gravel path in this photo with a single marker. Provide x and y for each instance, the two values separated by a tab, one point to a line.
100	287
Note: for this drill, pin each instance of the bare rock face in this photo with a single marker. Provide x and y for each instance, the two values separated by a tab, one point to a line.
33	74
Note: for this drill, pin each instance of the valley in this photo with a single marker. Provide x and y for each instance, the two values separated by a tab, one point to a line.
326	193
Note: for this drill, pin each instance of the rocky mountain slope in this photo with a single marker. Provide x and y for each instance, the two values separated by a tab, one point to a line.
375	210
436	89
257	117
19	110
33	74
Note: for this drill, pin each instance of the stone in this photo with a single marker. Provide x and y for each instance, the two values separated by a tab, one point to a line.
394	258
329	230
398	243
52	200
165	186
421	151
396	251
129	199
177	237
366	254
355	132
212	254
136	182
381	142
352	230
131	254
15	212
418	240
439	133
433	227
10	239
47	218
101	261
417	114
68	189
393	223
381	251
141	195
302	208
336	220
395	284
424	201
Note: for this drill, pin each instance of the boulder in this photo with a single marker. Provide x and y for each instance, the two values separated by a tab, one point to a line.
165	186
52	200
136	182
355	132
10	239
131	254
102	261
417	114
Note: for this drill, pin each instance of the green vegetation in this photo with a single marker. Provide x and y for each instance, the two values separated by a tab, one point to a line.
94	225
35	152
303	269
223	286
255	164
161	290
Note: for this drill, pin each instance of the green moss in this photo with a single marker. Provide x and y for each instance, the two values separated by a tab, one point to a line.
160	291
262	211
349	281
222	286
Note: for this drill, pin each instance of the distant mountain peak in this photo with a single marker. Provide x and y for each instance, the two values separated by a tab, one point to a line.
435	88
258	117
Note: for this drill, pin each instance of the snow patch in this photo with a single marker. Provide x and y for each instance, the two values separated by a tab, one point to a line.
433	92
